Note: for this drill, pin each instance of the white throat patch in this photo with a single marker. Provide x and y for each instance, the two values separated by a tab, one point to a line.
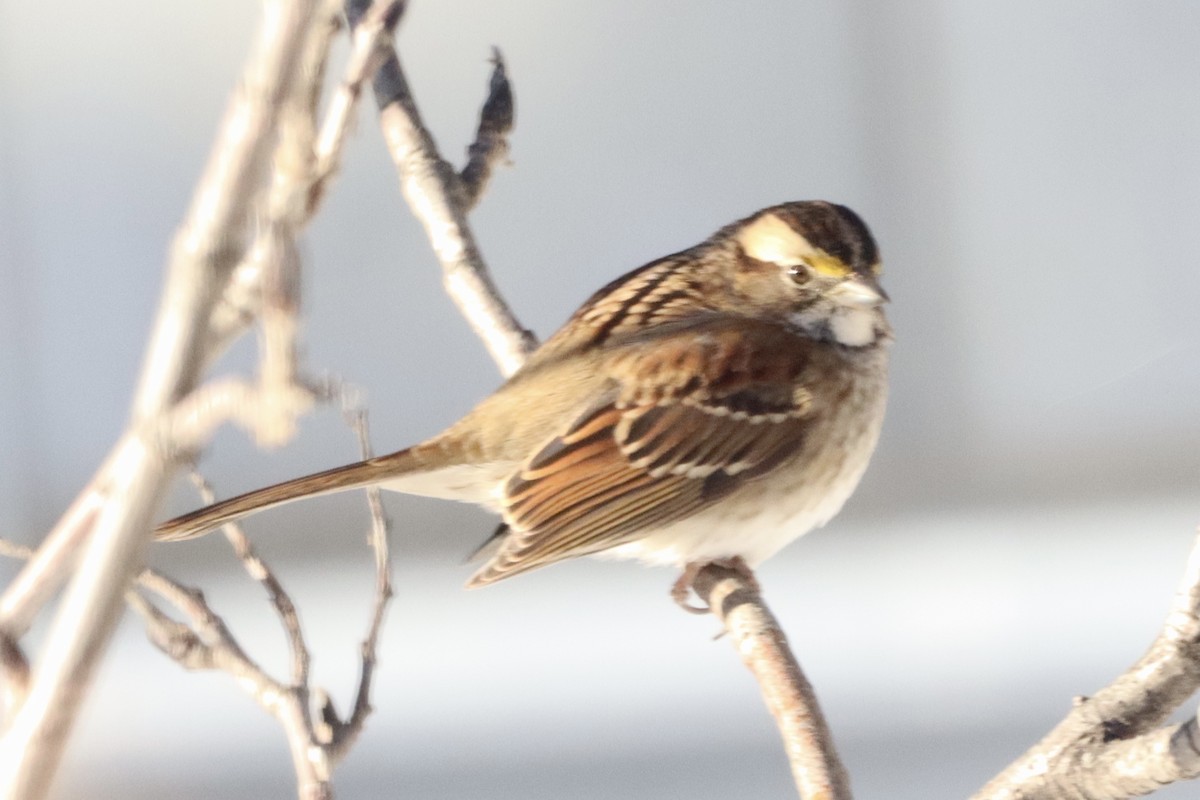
849	325
853	326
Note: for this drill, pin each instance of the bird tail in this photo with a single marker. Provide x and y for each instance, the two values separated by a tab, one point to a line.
339	479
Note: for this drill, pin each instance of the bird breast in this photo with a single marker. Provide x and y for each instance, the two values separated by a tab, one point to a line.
765	515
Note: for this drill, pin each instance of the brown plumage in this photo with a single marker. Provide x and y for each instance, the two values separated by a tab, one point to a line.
713	404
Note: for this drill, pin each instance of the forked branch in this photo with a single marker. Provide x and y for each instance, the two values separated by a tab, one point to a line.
1112	745
441	197
318	737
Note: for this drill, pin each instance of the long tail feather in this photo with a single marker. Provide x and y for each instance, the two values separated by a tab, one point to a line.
339	479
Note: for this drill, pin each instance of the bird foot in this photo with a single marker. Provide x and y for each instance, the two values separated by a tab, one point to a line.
683	587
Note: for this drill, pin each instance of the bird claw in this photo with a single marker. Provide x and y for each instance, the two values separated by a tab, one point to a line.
683	587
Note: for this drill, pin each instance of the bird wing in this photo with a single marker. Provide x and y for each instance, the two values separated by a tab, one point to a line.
658	293
687	420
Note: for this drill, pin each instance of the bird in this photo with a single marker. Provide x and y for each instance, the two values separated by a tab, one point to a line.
710	406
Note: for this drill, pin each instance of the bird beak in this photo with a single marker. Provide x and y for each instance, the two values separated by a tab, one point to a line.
860	290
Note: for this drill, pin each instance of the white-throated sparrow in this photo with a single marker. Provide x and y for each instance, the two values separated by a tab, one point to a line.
712	405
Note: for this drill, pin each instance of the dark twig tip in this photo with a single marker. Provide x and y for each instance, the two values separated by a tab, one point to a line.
357	9
499	108
395	14
17	674
491	143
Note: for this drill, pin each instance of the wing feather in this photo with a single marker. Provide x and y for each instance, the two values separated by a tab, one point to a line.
661	446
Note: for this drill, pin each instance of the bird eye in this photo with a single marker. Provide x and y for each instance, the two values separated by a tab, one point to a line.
799	274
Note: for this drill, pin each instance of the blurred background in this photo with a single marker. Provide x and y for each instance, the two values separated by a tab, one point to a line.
1031	171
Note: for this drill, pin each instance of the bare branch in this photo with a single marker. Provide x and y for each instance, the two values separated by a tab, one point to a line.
342	735
1108	742
756	635
208	644
265	283
258	570
36	735
435	193
52	562
1132	767
317	744
369	49
12	657
206	249
211	241
16	673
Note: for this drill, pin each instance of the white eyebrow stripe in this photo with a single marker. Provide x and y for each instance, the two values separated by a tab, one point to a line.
770	239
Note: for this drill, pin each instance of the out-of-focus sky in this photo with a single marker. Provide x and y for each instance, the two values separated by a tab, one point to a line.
1032	174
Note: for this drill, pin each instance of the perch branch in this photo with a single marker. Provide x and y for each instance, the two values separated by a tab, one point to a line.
756	635
1108	746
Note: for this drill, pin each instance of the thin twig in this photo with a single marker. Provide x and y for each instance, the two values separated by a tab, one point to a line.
369	48
756	635
319	744
207	643
1108	744
258	571
343	735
